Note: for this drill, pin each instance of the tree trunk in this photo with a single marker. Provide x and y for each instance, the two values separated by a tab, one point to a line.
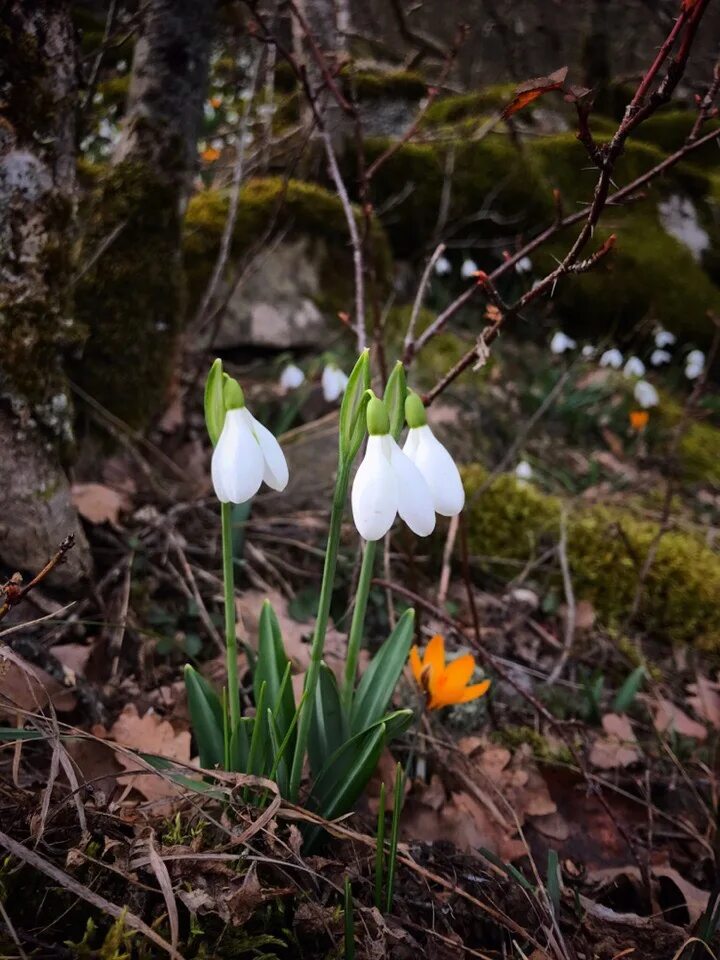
37	227
133	298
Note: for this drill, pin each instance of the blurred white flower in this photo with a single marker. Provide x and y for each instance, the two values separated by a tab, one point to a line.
245	455
468	269
694	364
524	265
612	358
588	350
663	338
333	382
634	367
523	471
292	377
658	357
561	342
646	394
442	266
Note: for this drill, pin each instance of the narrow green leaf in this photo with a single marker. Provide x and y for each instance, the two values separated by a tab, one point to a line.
206	717
345	778
272	667
349	918
380	849
214	403
240	745
15	733
352	417
394	834
279	771
629	690
327	728
259	741
394	399
380	679
553	881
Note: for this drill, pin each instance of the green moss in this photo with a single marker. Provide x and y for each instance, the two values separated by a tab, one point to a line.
513	736
293	207
700	453
384	85
606	549
114	90
131	300
467	106
669	129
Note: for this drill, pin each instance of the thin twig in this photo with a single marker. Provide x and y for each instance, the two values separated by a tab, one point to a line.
570	614
419	297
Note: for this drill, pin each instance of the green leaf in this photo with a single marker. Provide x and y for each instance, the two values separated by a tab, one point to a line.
394	399
327	727
270	668
214	403
260	740
380	679
553	881
279	766
346	775
206	717
240	744
352	409
15	733
629	690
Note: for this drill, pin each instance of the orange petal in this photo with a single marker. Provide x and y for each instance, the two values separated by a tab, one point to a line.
472	693
435	656
459	671
416	664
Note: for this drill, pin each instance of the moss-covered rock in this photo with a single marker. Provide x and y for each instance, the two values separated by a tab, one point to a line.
366	84
606	548
468	106
114	90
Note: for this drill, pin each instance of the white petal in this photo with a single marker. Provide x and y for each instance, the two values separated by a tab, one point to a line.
411	443
634	367
611	358
415	501
646	394
275	471
374	495
237	461
440	472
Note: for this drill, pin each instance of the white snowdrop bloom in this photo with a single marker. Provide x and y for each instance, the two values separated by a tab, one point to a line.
333	382
663	338
468	269
432	460
245	455
561	342
612	358
588	351
523	471
646	394
634	367
388	483
292	377
694	364
658	357
443	266
524	265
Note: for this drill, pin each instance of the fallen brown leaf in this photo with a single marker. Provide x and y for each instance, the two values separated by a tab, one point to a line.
618	748
97	503
668	716
24	686
705	700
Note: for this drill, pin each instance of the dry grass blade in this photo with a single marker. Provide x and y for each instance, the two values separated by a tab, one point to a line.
94	899
163	878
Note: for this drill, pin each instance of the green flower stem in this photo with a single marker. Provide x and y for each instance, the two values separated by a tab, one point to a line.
357	625
230	636
331	551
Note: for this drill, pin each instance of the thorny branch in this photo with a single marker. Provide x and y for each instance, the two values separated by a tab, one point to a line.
13	592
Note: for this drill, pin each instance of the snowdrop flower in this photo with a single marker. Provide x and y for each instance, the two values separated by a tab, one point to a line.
523	471
694	364
246	454
432	460
443	266
524	265
646	394
588	351
333	382
663	338
611	358
292	377
658	357
634	367
388	483
468	269
561	342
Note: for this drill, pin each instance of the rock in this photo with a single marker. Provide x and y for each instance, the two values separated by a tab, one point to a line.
276	304
36	511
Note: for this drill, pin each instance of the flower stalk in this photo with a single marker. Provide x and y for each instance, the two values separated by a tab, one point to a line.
230	632
358	624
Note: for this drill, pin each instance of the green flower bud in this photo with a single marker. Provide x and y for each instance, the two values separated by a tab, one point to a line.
378	422
233	395
414	411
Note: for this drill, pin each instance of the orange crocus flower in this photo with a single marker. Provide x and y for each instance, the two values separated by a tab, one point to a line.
639	419
445	685
210	154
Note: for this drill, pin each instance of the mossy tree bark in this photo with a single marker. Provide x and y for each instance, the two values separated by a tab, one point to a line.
133	299
37	327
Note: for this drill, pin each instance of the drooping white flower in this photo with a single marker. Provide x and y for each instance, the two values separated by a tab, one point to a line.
612	358
646	394
588	351
246	454
663	338
432	460
694	364
524	265
443	266
333	382
291	377
634	367
468	269
658	357
561	342
388	483
523	471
